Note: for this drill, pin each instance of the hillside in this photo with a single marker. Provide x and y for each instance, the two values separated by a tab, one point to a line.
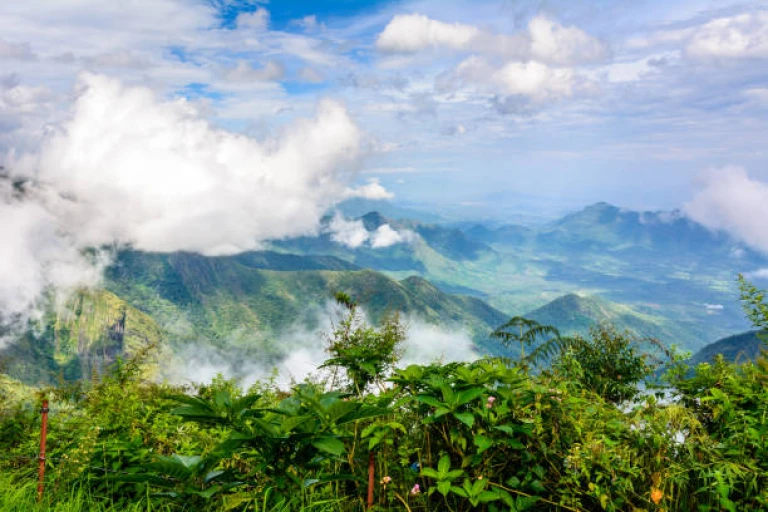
574	314
227	300
745	346
80	337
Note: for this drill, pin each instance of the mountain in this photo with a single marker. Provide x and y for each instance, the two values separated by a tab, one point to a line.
80	337
240	304
227	300
575	314
604	226
745	346
436	244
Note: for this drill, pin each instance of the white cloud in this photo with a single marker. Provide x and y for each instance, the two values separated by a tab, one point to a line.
117	59
427	343
371	190
410	33
741	36
35	254
535	80
385	236
734	37
730	201
544	40
128	168
556	44
351	233
155	175
301	351
761	273
16	51
256	20
531	80
244	72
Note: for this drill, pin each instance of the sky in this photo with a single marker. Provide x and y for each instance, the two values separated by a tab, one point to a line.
457	102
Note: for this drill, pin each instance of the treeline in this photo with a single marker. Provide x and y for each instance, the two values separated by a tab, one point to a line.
606	422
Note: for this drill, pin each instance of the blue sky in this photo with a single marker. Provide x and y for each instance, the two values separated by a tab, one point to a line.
547	105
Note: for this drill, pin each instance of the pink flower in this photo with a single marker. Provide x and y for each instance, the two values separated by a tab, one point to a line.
386	480
415	490
489	404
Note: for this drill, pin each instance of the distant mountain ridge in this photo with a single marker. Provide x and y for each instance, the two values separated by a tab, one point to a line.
744	346
574	314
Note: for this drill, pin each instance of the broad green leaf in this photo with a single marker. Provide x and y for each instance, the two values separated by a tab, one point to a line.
444	465
330	445
466	396
466	418
483	443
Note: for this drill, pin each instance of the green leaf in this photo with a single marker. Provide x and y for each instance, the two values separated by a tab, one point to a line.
466	418
523	503
430	473
444	465
330	445
466	396
430	400
483	443
444	487
459	491
487	496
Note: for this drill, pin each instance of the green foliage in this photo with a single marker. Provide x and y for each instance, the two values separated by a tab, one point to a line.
610	363
753	302
487	435
365	354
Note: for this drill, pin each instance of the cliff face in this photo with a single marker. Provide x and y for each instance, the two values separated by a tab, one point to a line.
82	337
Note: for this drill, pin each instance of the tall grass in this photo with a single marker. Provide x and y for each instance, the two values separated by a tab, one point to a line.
18	496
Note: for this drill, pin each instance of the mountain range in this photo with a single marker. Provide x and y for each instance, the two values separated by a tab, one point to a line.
655	274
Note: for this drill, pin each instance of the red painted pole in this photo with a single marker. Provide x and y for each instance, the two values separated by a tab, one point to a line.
41	458
371	469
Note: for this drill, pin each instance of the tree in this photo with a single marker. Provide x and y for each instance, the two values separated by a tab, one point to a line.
367	355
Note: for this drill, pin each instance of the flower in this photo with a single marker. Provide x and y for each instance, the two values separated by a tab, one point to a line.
416	490
385	481
656	495
490	401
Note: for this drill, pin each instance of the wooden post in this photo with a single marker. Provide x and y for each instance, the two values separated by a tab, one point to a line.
41	457
371	478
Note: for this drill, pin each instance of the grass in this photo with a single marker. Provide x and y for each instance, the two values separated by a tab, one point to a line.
22	497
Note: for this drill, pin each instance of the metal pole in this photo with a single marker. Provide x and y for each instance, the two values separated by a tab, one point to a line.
41	457
371	469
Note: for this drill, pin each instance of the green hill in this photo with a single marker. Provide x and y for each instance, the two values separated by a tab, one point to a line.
741	346
79	338
229	301
574	314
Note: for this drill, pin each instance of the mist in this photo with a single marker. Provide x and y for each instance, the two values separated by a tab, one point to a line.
301	350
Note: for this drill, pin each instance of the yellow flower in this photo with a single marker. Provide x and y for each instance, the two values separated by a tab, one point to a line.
656	495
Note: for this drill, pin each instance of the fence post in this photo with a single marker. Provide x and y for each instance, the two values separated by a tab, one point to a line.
41	457
371	469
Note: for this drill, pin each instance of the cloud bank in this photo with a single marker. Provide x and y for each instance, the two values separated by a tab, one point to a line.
352	233
129	168
302	351
729	200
